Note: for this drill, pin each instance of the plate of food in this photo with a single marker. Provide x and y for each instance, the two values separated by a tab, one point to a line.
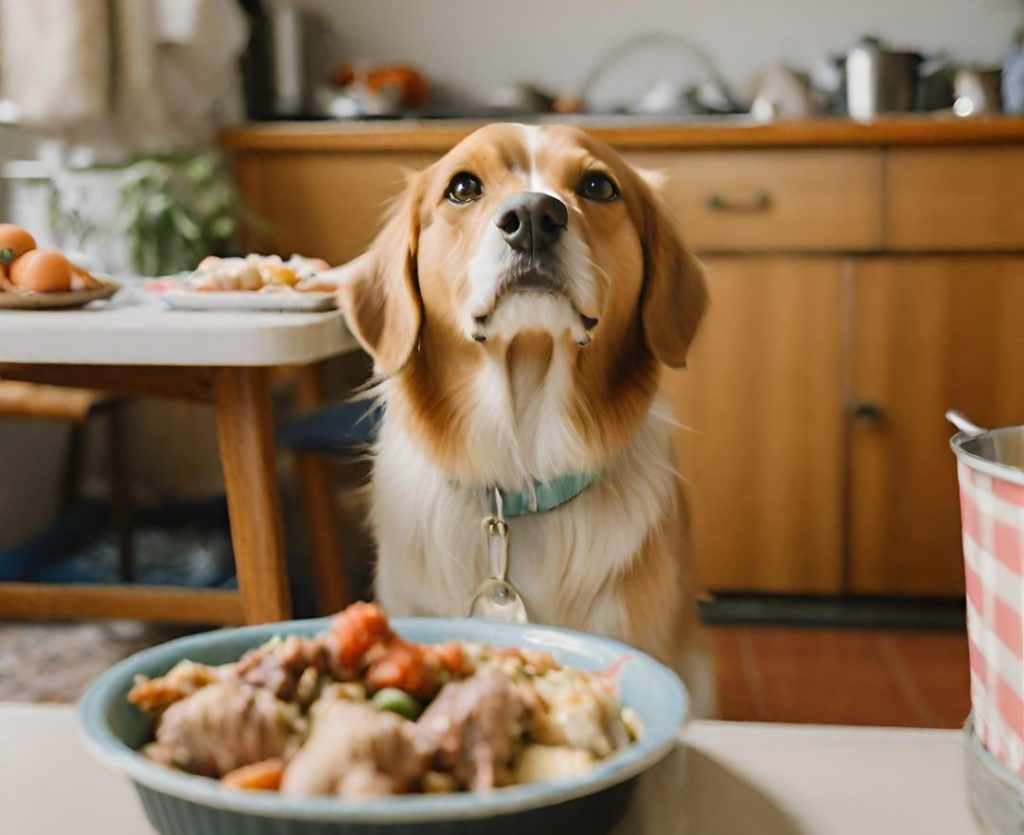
253	282
43	279
361	725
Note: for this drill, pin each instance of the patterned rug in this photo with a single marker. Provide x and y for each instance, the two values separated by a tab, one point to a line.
53	662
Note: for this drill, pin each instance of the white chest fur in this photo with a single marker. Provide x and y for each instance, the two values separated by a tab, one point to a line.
566	562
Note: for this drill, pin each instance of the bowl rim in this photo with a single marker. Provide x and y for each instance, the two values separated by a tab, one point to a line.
625	764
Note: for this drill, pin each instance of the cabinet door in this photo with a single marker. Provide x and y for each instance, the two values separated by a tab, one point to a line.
324	205
762	451
929	333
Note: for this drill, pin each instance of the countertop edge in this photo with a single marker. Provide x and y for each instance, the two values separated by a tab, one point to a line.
440	136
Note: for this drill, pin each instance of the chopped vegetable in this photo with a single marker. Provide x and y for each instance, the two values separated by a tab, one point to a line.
407	667
262	776
357	629
397	701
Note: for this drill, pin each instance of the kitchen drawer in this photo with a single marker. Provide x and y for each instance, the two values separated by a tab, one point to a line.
944	199
796	200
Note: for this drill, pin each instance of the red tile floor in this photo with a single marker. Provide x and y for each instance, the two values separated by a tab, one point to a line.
843	676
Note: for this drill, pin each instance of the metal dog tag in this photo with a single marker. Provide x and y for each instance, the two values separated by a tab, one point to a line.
497	597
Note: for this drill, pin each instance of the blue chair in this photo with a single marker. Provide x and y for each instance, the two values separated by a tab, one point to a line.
343	429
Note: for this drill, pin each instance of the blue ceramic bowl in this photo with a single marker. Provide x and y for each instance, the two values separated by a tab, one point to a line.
183	804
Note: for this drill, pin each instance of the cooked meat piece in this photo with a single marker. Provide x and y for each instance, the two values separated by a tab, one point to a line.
551	762
579	713
471	728
355	751
184	678
278	667
227	725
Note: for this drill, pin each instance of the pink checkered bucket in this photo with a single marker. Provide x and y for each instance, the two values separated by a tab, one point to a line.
990	465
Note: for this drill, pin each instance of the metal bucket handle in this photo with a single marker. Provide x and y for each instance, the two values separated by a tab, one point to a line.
960	421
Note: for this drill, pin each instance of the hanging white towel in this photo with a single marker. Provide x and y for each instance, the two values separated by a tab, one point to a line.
55	60
120	76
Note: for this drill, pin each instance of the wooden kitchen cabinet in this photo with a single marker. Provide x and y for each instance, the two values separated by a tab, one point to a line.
928	334
761	401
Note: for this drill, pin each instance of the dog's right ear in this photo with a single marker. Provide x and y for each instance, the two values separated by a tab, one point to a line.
379	290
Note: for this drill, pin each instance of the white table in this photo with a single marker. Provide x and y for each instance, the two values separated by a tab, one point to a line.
747	779
132	346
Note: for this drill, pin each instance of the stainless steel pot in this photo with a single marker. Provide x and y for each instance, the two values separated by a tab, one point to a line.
880	80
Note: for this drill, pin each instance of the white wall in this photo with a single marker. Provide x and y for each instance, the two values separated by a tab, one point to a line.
473	46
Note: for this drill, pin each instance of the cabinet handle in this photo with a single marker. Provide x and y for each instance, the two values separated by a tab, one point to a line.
867	412
756	201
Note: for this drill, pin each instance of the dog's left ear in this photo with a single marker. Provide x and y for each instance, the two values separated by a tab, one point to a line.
379	291
674	295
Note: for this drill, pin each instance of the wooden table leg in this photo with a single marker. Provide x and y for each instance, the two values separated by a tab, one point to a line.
246	435
326	544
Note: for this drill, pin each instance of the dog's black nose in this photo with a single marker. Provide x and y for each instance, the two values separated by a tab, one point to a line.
531	221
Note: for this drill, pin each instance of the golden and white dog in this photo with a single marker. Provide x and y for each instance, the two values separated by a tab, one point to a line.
519	304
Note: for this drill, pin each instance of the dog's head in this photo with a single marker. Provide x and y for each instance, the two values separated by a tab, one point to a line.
521	229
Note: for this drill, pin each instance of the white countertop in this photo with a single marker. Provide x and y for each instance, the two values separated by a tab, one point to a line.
747	779
137	331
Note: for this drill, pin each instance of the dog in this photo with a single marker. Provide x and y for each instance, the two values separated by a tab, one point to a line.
519	303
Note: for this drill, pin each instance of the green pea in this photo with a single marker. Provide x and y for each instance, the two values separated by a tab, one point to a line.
397	701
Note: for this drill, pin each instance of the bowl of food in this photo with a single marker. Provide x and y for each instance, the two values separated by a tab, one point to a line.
358	725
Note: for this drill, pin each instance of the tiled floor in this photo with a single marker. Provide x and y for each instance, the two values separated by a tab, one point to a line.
843	676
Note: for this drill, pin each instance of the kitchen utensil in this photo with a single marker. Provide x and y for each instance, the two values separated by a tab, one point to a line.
1013	78
990	466
880	80
976	91
184	804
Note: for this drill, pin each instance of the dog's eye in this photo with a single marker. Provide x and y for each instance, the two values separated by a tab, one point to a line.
597	187
464	188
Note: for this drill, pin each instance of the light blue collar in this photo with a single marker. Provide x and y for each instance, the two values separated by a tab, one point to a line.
545	496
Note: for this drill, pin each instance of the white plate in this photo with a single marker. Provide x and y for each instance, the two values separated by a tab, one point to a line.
246	300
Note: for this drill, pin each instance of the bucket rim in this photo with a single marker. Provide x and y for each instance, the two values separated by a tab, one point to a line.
982	465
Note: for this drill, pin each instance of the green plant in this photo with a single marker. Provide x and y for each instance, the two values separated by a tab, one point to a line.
175	209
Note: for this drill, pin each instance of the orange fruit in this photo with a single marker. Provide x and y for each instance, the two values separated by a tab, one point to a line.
41	270
14	242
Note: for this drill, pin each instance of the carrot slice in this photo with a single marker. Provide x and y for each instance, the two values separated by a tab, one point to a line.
262	776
